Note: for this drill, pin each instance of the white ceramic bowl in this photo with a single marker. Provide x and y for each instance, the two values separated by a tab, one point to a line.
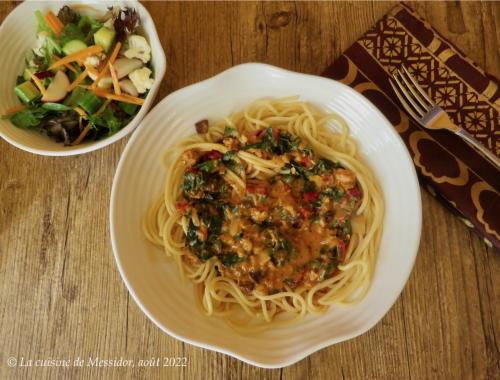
18	37
155	284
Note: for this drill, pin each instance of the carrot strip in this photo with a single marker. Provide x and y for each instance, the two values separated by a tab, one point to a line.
111	60
103	107
126	99
94	49
82	135
121	98
116	85
99	92
115	52
15	109
77	81
38	83
70	68
55	20
80	112
51	25
54	23
91	69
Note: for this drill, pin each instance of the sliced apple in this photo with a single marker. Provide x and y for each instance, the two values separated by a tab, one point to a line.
58	89
124	66
127	86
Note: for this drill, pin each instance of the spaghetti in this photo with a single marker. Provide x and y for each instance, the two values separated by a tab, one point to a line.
270	213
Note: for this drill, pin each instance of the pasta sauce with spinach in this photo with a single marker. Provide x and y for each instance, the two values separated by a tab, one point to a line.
288	231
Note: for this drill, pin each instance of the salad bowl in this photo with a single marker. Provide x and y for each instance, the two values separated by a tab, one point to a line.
18	36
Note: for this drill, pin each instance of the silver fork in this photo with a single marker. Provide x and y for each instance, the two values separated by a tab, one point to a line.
428	114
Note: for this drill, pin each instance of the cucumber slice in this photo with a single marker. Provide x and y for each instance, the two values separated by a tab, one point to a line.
73	46
27	73
90	103
129	109
27	91
75	96
56	107
105	37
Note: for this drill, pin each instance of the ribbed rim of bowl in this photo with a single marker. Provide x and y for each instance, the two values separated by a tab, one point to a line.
411	249
159	72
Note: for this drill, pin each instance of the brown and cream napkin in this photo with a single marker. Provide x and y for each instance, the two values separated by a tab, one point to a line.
448	166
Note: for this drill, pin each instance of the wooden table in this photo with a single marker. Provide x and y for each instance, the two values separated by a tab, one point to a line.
61	296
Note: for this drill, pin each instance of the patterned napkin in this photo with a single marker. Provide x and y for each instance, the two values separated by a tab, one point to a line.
449	167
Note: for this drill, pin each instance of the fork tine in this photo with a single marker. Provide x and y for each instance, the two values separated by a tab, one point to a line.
416	94
403	101
408	96
417	86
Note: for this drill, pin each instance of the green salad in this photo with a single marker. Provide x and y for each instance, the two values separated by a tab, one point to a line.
86	78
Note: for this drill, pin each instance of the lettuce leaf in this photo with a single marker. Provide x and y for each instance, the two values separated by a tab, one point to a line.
28	118
112	122
71	32
41	25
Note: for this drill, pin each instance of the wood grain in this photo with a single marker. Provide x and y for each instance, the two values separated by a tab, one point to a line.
61	296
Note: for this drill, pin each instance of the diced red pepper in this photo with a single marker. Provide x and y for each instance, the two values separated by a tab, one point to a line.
192	169
252	137
343	248
306	214
297	276
181	206
257	188
212	155
276	133
306	161
354	192
311	196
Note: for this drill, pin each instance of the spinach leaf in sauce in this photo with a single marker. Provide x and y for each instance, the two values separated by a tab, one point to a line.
230	132
228	156
309	186
265	143
282	252
211	246
286	143
229	259
193	182
324	165
333	192
347	229
191	236
295	169
207	166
